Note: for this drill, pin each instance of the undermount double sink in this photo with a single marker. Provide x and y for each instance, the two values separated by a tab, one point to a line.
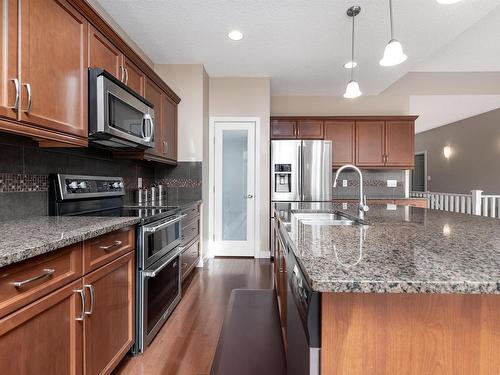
327	218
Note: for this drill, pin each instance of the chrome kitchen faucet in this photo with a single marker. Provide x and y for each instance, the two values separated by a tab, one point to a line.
362	208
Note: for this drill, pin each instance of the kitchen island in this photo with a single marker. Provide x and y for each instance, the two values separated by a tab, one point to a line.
414	292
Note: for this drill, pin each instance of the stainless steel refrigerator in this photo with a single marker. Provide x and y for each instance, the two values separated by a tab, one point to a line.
301	170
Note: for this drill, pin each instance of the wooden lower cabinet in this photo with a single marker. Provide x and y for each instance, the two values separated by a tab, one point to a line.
83	328
44	337
109	320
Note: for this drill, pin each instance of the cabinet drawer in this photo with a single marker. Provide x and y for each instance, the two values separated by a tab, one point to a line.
189	258
103	249
38	276
190	232
191	213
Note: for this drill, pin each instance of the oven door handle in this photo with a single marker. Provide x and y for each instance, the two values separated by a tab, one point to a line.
153	273
163	225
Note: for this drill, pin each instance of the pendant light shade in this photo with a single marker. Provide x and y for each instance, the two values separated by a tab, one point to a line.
393	53
352	90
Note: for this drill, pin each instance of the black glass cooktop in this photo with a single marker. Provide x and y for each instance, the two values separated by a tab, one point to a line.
147	214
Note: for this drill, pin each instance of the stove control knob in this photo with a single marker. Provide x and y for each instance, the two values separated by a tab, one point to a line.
121	185
116	185
73	185
82	185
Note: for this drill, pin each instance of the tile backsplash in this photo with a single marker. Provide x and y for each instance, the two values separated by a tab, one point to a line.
375	184
25	169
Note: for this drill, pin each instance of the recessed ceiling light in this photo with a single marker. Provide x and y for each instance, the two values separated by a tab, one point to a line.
446	2
235	35
350	64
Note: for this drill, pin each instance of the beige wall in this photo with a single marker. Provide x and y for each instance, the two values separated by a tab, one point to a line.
474	162
205	163
105	15
394	100
187	80
248	97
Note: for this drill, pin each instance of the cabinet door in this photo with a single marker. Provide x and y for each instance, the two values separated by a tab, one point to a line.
283	129
44	337
103	54
8	62
399	144
153	94
310	129
134	77
109	323
370	143
341	133
169	128
54	66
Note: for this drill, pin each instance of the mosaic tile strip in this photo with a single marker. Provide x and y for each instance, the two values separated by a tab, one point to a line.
180	182
12	182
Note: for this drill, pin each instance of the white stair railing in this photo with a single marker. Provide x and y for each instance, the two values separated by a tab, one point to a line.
474	203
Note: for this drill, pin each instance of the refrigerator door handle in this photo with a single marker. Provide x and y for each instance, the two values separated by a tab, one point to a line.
299	171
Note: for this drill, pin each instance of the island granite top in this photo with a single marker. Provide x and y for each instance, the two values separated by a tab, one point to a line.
27	238
404	250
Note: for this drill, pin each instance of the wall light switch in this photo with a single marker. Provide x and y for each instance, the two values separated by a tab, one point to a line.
391	207
344	183
344	206
392	183
428	178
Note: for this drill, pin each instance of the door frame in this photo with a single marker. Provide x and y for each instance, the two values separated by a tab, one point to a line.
425	169
211	179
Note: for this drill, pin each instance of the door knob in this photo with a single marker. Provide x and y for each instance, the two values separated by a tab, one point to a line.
249	196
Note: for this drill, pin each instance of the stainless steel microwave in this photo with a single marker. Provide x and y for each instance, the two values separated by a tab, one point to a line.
118	116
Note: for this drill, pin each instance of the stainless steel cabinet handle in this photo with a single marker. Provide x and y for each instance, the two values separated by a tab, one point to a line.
165	144
109	247
30	102
126	76
82	296
16	85
122	71
91	290
47	272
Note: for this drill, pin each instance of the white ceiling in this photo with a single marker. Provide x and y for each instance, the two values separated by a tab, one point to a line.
300	44
475	50
438	110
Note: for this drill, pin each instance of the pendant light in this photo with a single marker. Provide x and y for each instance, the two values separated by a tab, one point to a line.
352	90
393	53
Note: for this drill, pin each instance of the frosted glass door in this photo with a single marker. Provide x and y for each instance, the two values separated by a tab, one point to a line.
234	190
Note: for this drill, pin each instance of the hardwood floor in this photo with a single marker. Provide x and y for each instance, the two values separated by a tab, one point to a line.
186	344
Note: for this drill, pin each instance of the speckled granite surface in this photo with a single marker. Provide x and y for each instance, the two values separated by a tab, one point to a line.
27	238
407	250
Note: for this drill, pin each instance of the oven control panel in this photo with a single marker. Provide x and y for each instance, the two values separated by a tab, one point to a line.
76	186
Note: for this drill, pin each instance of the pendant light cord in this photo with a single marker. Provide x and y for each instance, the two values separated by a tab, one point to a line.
352	48
390	16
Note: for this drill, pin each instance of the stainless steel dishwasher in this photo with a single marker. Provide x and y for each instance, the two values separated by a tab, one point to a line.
303	322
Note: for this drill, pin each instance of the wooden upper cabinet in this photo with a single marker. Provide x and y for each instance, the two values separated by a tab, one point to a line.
103	54
370	143
283	129
8	64
169	127
54	66
341	133
154	94
399	144
134	77
44	337
310	129
109	323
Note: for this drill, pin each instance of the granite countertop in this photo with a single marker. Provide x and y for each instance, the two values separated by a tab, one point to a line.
27	238
404	250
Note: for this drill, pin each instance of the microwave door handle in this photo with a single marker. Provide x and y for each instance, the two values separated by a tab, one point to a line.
152	127
143	135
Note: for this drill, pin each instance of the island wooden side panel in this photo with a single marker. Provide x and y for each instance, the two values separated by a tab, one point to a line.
410	334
